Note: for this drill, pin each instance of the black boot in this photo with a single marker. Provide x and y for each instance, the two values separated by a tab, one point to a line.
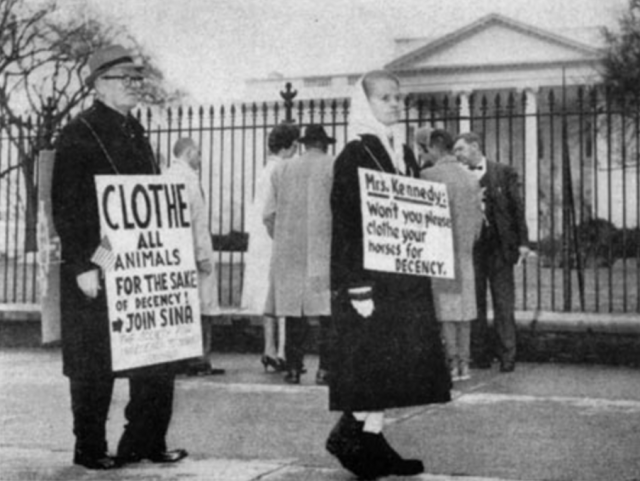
398	465
357	451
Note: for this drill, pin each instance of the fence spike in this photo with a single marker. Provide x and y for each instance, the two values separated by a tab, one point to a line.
433	106
580	97
511	103
594	97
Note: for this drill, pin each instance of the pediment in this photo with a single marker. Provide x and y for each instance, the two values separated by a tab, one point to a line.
494	40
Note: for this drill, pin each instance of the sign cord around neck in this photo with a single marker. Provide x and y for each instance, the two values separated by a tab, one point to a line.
104	149
396	171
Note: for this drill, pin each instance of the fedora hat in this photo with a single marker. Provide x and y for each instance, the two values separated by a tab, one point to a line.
107	58
316	133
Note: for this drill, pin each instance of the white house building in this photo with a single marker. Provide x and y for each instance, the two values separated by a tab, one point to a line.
496	56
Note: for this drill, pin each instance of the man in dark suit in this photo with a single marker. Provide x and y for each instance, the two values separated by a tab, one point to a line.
503	243
104	139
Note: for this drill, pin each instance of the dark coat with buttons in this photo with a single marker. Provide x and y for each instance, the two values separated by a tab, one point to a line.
504	210
393	358
79	157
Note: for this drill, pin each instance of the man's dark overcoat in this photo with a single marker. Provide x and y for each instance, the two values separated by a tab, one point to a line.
495	254
395	357
504	210
79	157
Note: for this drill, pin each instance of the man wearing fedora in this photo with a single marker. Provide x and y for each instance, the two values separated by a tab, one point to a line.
298	218
104	139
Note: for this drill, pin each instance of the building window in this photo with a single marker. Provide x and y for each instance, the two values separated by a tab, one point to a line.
317	82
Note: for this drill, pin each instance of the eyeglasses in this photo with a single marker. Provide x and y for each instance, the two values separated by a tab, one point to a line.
127	80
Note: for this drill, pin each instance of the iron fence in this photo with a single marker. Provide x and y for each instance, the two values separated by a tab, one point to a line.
577	152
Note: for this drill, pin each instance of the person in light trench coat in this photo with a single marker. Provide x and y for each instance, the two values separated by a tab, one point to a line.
185	167
298	217
282	144
455	299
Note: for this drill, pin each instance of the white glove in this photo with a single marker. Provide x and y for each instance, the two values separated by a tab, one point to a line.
89	283
364	308
362	300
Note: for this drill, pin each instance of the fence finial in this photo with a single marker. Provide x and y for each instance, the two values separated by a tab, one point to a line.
288	95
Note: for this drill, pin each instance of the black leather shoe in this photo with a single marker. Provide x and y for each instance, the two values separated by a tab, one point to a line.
322	377
128	458
172	456
102	462
292	377
508	366
481	364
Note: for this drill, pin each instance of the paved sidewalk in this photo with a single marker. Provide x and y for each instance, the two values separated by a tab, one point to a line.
543	422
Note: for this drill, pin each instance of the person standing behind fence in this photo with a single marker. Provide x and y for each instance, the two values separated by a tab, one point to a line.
503	242
298	219
104	139
186	167
282	145
456	298
389	352
425	159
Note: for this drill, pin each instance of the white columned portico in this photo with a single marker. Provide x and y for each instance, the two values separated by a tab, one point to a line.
532	162
464	124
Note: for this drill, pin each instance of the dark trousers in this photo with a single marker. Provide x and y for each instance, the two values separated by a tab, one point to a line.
296	332
90	402
493	272
326	343
148	414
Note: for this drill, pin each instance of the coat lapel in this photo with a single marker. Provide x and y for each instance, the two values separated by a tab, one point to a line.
379	155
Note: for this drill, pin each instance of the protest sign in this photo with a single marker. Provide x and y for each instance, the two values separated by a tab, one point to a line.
406	225
147	258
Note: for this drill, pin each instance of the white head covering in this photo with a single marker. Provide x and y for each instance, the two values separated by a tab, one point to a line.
362	121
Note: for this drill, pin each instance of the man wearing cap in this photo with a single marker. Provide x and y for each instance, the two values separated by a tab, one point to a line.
104	139
298	218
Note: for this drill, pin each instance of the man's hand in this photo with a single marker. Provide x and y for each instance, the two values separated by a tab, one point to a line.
204	266
89	283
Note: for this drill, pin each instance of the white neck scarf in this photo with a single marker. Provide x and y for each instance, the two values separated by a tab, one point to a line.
362	121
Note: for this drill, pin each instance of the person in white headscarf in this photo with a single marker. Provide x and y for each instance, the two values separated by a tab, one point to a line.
388	351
